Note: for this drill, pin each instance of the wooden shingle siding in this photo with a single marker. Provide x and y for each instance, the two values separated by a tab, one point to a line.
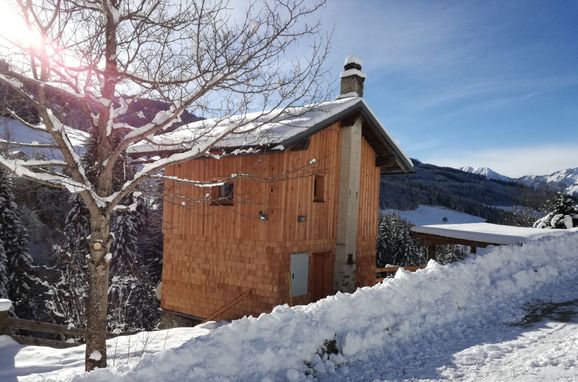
368	216
213	254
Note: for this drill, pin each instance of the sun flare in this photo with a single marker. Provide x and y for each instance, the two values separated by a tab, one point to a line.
14	29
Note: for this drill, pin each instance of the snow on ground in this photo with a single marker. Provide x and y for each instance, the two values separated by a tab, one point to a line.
5	305
38	363
425	214
424	311
463	321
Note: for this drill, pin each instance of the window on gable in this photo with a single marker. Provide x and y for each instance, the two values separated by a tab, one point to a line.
318	188
223	195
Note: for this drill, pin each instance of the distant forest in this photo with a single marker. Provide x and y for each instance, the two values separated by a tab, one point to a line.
465	192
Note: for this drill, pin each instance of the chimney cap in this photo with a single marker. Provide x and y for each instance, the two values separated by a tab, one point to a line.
352	60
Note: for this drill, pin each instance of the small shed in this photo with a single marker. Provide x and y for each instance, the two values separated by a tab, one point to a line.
289	210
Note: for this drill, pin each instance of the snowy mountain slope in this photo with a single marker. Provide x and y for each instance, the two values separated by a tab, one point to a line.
564	180
439	310
487	172
425	215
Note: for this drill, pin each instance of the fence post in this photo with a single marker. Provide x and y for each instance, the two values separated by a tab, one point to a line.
5	306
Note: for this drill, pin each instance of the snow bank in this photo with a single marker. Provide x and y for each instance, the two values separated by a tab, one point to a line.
5	305
290	343
41	363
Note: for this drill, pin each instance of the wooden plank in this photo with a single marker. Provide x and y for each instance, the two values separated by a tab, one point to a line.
411	268
227	307
23	340
44	327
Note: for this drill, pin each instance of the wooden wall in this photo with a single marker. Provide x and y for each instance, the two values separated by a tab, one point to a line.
213	254
367	223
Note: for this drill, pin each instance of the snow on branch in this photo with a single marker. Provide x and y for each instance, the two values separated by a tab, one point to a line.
21	168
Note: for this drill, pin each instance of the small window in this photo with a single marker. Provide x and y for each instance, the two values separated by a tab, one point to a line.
319	188
223	195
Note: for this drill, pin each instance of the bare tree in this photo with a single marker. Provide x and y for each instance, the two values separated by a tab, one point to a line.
104	55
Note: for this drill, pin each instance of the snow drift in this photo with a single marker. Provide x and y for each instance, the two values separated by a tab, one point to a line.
290	343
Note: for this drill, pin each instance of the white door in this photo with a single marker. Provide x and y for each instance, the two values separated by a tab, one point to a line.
299	273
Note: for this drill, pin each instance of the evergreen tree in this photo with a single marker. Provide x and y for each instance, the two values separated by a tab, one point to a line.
132	303
395	245
3	272
151	237
564	213
25	289
125	246
70	289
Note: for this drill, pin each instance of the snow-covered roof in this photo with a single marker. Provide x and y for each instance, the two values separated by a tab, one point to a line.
275	130
38	140
425	214
491	233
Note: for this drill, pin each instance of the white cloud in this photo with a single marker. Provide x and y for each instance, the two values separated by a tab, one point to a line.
513	162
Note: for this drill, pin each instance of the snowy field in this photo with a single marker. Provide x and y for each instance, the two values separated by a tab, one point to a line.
426	215
508	314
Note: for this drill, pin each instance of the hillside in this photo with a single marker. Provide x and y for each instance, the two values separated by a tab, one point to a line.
459	190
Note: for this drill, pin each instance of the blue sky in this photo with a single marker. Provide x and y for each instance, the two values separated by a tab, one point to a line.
481	83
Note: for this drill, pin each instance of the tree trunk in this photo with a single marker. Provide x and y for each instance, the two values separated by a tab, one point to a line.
96	307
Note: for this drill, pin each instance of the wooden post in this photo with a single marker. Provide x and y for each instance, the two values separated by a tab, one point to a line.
4	316
431	252
290	289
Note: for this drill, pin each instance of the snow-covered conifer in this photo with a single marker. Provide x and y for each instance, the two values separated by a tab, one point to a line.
23	284
564	213
3	272
70	288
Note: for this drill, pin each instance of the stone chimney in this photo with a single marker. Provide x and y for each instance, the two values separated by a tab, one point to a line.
344	268
352	78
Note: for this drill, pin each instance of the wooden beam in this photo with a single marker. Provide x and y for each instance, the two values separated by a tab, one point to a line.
393	269
227	307
386	161
429	239
4	322
44	327
23	340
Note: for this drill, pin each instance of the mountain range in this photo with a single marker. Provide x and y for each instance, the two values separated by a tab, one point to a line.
562	181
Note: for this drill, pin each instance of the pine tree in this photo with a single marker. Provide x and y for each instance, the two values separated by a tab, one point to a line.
132	304
395	245
3	272
25	289
564	213
151	238
70	289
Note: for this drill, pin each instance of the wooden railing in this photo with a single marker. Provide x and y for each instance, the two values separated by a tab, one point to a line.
8	324
385	272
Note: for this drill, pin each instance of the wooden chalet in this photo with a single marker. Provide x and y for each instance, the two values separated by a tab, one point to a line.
292	216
